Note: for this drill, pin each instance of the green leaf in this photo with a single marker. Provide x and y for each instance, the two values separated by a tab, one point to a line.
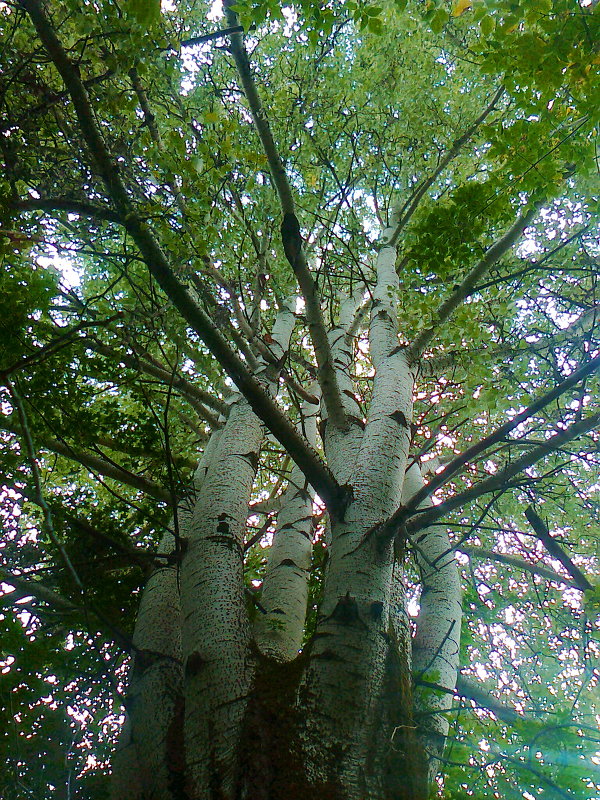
439	19
145	12
487	25
375	25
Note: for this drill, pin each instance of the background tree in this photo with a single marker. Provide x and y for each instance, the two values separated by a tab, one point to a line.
299	400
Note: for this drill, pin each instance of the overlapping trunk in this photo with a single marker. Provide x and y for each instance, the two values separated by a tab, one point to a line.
345	677
436	647
279	629
218	667
192	668
149	761
241	698
341	444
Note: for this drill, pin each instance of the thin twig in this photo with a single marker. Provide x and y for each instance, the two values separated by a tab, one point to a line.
37	482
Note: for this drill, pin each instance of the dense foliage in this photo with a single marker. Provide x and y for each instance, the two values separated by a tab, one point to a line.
462	116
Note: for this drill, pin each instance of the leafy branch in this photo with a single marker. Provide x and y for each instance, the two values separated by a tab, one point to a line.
277	423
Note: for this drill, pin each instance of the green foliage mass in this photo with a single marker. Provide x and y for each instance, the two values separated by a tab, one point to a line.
364	101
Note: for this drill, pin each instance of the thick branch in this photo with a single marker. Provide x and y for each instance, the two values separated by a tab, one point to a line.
307	459
96	464
502	432
162	373
150	120
583	325
55	344
135	555
499	481
555	550
407	521
470	690
293	244
469	283
519	563
209	37
70	206
25	434
25	587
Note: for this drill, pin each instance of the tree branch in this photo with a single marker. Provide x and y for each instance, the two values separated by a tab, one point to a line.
96	464
209	37
68	205
502	432
496	482
135	555
40	500
407	522
555	550
276	422
293	244
25	587
454	151
55	344
468	689
466	287
513	561
432	366
151	367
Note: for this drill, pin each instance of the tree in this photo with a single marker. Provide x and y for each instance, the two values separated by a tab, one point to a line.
299	366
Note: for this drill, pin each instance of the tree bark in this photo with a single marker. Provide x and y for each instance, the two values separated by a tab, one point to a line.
279	629
218	666
347	665
436	647
149	761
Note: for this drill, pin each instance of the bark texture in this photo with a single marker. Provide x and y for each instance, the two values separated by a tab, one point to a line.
436	646
279	629
149	762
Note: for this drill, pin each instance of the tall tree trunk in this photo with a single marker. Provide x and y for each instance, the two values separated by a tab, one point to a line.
279	628
218	666
436	647
348	657
149	761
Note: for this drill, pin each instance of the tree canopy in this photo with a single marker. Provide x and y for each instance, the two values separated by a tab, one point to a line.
142	267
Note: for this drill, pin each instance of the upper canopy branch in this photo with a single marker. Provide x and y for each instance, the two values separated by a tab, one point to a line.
408	520
583	326
502	432
469	283
276	422
413	202
555	550
70	206
500	480
293	244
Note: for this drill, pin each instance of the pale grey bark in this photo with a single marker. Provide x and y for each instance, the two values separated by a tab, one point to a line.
341	444
150	759
148	763
436	647
142	766
215	627
345	675
279	627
